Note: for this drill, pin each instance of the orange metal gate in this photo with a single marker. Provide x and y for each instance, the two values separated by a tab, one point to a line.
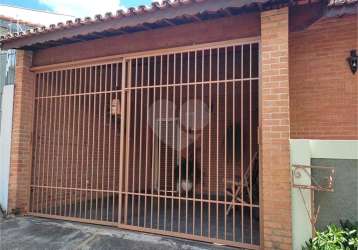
162	142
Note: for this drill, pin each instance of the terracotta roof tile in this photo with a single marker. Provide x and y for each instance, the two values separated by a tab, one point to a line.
155	6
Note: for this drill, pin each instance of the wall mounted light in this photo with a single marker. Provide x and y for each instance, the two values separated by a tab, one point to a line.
353	61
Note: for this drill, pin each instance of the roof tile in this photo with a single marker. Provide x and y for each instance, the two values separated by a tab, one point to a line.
155	6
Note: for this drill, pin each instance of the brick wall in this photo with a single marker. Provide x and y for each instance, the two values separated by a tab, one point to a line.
276	186
21	146
323	90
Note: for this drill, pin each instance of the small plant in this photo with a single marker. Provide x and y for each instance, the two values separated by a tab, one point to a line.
334	237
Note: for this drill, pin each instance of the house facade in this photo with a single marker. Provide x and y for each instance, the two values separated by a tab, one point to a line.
188	119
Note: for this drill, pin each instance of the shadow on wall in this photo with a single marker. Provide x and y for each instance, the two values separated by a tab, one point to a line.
342	204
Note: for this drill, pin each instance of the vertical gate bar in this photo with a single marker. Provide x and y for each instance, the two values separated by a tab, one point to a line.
140	141
67	142
72	121
109	163
60	144
250	136
42	171
99	136
105	69
102	141
57	112
80	94
195	115
242	144
54	184
48	136
146	144
153	141
202	142
48	131
233	141
63	83
160	135
217	139
109	77
174	148
79	146
93	136
127	148
46	166
122	125
53	142
73	163
68	138
166	146
187	144
114	172
74	71
115	141
107	144
57	140
83	165
44	148
210	112
225	145
43	156
180	139
89	124
134	158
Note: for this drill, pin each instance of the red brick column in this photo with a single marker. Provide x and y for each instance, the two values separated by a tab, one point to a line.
21	140
276	175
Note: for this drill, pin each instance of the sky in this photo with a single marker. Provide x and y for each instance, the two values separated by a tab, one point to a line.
78	8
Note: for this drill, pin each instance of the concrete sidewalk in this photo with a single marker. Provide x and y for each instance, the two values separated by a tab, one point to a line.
36	233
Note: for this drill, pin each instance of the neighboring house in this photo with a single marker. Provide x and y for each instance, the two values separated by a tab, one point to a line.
7	57
13	20
31	16
188	119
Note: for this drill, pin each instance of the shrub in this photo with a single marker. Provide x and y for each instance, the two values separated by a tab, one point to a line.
334	237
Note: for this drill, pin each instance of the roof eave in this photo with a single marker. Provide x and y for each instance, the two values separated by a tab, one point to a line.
132	19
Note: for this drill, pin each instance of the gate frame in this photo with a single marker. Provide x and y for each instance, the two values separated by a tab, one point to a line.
123	59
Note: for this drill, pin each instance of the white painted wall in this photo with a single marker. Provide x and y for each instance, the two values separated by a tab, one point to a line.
302	229
302	151
5	142
338	149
